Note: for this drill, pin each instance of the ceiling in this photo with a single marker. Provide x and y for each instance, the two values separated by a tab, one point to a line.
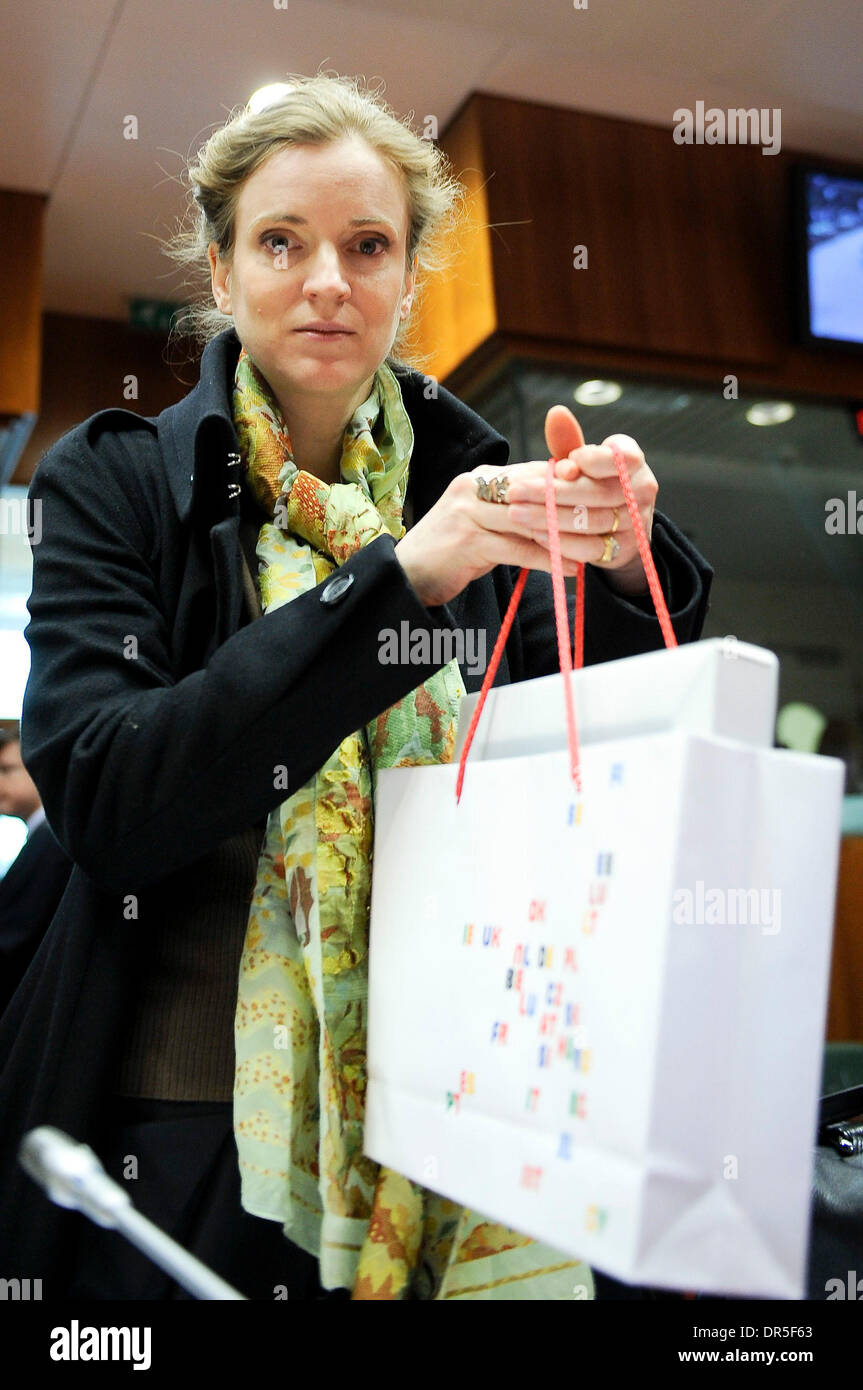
70	73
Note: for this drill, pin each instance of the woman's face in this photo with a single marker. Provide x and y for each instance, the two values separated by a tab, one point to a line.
300	255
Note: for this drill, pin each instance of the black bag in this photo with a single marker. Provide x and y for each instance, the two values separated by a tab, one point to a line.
835	1269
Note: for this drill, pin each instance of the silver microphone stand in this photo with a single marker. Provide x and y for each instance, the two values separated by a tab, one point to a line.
72	1176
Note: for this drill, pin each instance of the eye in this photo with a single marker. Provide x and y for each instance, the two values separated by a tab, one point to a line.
274	237
382	241
278	241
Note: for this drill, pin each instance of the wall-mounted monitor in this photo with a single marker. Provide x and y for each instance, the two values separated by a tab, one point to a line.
829	238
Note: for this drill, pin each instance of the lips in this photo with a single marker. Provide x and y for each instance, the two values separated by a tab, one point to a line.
325	332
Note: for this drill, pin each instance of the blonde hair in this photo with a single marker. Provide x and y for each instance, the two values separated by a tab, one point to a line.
317	110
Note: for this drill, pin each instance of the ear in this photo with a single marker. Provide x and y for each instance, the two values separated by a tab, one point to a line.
220	278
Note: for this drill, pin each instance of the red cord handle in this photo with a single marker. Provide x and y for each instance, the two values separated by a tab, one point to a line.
561	617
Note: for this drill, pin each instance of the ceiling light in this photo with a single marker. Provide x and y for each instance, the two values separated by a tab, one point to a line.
267	96
597	392
770	413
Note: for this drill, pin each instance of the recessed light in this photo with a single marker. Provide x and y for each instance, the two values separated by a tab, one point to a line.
597	392
267	96
770	413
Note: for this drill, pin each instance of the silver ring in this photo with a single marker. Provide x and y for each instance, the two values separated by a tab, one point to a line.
492	489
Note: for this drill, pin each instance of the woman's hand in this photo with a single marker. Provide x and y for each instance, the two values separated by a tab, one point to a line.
589	499
461	538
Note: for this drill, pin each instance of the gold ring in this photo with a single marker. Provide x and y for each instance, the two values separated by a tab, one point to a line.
612	546
616	511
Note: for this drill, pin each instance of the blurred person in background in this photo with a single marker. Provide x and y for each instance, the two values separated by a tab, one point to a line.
35	881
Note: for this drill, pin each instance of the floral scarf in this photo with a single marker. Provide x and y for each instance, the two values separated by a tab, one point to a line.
300	1030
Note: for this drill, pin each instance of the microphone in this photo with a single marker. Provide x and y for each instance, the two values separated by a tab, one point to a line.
72	1176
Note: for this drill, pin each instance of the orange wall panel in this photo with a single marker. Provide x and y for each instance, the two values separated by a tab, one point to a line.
21	223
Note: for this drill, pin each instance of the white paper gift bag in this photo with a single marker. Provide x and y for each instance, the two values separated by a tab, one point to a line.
596	1011
606	1033
718	686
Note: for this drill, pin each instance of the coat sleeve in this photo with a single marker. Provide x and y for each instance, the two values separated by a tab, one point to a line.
616	626
140	773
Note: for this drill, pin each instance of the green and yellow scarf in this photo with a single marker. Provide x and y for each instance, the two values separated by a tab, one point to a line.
299	1096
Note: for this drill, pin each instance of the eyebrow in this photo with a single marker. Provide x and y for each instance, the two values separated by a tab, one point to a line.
303	221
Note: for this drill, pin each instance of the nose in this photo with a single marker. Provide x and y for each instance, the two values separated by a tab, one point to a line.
325	275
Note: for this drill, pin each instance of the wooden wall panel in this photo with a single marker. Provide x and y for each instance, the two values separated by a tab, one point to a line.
845	1010
21	222
678	237
690	254
84	365
456	313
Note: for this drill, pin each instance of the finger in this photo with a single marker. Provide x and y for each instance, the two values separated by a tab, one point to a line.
563	433
591	461
575	547
516	472
510	549
589	492
633	456
516	542
590	549
502	519
578	519
598	461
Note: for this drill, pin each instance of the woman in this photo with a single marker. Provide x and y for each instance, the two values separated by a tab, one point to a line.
184	749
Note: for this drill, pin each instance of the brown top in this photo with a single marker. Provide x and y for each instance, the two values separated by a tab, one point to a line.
180	1039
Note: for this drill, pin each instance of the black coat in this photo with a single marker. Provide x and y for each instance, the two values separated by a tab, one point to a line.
156	712
30	891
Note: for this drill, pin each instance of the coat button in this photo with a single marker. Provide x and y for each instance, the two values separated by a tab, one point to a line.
337	588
